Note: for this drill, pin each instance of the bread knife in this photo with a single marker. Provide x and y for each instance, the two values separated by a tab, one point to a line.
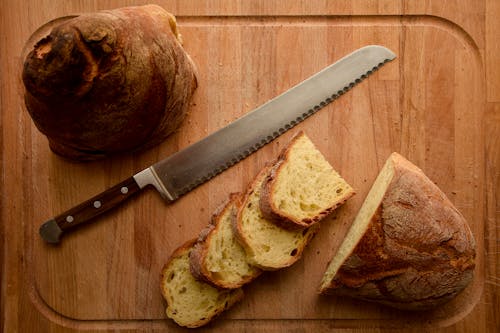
186	169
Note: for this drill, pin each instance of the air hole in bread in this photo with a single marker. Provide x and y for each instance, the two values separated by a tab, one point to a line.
294	252
308	207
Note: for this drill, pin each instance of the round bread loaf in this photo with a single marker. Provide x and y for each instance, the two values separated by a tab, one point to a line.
109	82
408	247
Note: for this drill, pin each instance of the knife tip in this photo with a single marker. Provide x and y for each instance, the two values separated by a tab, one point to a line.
390	55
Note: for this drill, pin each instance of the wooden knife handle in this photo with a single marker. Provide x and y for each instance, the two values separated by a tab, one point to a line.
86	211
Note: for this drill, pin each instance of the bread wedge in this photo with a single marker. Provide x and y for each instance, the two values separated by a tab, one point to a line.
408	247
302	187
217	257
266	244
192	303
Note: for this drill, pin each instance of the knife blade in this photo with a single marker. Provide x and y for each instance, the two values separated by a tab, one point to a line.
186	169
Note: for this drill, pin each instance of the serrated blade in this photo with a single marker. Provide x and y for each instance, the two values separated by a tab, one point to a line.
194	165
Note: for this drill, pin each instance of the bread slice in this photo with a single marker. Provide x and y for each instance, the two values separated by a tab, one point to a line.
217	257
192	303
267	245
302	187
408	247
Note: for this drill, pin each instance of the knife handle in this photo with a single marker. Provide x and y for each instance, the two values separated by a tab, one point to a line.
86	211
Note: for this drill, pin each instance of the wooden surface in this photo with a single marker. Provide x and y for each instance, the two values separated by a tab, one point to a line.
438	104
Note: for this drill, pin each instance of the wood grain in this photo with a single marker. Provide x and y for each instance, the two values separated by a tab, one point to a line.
437	104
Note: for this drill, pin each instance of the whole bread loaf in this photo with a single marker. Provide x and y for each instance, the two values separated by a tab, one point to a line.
109	82
408	247
190	302
217	257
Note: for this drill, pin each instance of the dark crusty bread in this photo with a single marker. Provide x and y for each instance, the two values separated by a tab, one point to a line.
190	302
408	247
217	257
302	188
109	82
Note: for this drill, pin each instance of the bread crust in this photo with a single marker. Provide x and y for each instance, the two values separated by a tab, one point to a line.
269	209
95	89
199	253
418	251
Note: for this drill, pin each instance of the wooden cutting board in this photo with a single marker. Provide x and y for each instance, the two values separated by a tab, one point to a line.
433	104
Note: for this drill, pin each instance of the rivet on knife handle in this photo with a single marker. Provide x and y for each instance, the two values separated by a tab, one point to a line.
52	230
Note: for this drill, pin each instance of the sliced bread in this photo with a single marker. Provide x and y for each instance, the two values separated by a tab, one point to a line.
408	247
192	303
302	187
217	257
266	244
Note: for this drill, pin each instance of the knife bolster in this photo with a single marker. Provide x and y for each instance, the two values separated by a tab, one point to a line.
150	177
